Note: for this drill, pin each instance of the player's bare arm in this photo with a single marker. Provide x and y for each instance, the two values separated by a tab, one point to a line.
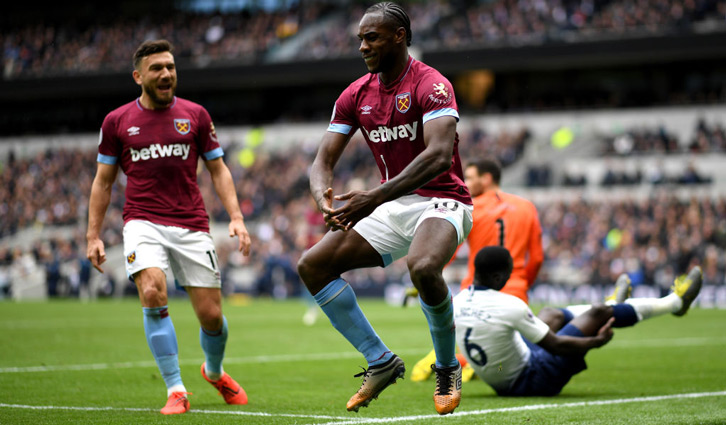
97	205
439	136
565	345
321	174
224	185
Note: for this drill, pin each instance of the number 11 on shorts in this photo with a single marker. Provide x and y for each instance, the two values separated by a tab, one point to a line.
213	258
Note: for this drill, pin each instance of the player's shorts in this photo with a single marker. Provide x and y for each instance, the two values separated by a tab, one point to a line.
547	373
190	253
390	227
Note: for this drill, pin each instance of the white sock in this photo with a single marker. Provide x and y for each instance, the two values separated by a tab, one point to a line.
175	389
578	309
213	376
646	308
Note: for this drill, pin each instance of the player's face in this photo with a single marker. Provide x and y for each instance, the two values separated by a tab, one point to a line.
157	78
472	179
378	43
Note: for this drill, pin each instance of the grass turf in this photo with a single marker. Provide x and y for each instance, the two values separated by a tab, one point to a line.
72	362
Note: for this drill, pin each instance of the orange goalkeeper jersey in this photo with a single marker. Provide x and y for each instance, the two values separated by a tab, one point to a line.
512	222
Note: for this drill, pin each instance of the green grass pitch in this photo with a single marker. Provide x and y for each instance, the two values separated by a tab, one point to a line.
71	362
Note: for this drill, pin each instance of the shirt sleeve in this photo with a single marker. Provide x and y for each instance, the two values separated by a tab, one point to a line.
529	325
109	145
435	94
343	119
207	137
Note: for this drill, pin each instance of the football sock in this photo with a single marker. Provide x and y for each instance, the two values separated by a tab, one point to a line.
577	309
443	332
646	308
568	315
338	302
161	337
624	315
213	343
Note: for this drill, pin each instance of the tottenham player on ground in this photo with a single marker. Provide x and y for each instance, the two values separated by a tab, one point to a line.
519	354
157	141
407	114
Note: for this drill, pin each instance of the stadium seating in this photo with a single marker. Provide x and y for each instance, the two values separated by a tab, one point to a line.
252	36
591	233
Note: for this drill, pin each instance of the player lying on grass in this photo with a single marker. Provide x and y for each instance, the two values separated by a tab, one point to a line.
520	354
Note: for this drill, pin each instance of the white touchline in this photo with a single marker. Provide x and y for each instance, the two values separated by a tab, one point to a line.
227	360
526	408
197	411
347	421
661	342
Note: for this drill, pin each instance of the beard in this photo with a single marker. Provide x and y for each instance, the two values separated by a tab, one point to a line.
162	100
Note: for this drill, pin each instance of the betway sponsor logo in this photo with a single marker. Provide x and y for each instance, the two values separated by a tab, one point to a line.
386	134
160	151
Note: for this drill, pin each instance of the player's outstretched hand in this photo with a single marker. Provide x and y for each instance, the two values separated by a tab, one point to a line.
237	228
358	206
96	253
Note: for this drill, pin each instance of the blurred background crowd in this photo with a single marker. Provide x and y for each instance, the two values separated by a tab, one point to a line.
47	47
643	195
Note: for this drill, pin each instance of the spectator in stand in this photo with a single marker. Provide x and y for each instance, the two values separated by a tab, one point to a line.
41	49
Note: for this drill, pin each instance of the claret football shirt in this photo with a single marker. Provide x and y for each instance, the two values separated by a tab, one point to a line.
158	150
391	119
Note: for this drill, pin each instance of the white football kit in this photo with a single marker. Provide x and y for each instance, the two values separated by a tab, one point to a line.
489	330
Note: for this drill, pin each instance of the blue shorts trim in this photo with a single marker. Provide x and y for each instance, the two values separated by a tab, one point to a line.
547	373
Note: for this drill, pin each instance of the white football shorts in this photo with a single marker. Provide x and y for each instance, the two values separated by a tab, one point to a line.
390	227
190	253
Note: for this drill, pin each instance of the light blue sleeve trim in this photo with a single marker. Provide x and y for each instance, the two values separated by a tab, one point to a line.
340	128
213	154
107	159
446	112
387	259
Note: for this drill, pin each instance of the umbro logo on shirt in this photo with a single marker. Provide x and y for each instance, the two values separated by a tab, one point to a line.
366	109
133	131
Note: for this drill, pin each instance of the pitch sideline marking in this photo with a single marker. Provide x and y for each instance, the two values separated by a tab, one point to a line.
348	421
139	409
530	407
662	342
186	362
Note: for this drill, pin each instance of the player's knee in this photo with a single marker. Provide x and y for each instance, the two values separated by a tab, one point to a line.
423	270
305	268
153	297
211	319
600	311
551	315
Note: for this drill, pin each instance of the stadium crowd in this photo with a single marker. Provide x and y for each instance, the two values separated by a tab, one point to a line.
509	22
708	138
44	49
585	242
653	240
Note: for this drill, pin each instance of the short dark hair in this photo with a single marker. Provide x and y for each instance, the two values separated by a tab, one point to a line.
492	267
151	47
394	15
488	165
